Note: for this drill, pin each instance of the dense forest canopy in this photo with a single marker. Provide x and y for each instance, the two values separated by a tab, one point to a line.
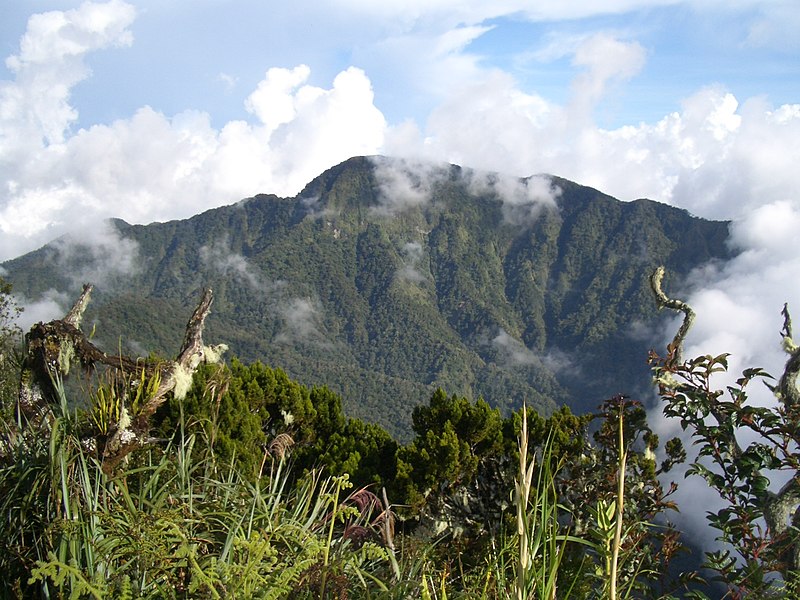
386	280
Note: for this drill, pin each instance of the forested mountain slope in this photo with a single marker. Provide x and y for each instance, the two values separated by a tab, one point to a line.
385	279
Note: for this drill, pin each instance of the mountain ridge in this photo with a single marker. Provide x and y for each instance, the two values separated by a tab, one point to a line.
385	279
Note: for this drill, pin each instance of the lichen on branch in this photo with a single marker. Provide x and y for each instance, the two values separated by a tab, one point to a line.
52	348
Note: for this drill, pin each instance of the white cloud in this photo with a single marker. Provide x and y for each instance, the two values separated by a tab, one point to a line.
301	322
274	102
775	26
97	254
492	125
607	60
412	256
51	305
407	13
219	256
511	352
36	106
523	199
405	183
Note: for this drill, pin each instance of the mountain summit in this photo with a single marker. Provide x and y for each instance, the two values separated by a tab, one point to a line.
385	279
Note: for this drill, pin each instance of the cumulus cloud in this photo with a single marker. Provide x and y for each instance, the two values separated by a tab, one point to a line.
717	157
489	124
152	166
35	107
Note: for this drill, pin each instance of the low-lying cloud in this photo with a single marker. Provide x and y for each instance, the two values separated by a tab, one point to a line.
523	199
99	255
406	183
512	352
301	322
219	257
50	305
412	253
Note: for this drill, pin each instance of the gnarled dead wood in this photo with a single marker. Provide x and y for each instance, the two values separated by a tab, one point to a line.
676	347
52	348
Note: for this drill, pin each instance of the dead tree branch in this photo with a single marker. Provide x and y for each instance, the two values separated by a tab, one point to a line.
52	348
663	301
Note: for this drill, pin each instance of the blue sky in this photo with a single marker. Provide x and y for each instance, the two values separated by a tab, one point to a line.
209	54
150	110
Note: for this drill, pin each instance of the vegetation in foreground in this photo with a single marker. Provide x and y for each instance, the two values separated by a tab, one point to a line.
253	486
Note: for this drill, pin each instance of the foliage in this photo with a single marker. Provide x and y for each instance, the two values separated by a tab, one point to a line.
178	524
453	435
184	522
240	408
458	485
721	422
540	543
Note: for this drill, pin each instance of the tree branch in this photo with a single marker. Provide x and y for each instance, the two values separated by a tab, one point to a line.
786	391
663	301
51	349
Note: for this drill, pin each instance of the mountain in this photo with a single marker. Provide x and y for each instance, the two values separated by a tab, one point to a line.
385	279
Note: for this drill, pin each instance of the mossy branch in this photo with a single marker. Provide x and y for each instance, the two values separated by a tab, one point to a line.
786	391
664	301
51	349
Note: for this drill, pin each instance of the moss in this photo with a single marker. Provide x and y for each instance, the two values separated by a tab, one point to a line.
183	381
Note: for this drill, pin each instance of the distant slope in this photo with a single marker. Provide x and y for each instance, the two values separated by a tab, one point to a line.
385	280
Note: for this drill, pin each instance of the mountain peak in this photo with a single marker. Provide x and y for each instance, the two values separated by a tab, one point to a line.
386	278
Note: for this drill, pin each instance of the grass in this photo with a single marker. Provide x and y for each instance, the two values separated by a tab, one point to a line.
176	523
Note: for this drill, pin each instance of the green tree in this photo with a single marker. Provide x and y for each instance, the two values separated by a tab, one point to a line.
452	435
242	409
